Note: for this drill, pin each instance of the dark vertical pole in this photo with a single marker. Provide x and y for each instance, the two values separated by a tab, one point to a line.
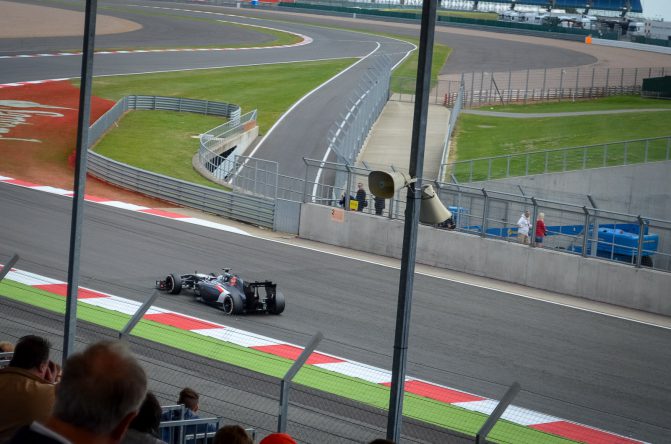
414	195
80	178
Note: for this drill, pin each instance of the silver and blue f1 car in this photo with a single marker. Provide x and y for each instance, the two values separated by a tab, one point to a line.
227	291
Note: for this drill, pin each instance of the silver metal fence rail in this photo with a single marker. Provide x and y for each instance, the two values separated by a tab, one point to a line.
625	152
346	136
454	115
572	228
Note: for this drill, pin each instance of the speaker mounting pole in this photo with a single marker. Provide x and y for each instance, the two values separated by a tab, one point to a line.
422	88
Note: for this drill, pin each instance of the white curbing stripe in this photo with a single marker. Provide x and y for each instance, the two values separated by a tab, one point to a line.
358	370
237	337
27	278
114	303
52	190
518	415
124	205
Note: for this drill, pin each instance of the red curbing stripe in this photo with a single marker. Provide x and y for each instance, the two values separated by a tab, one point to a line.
292	352
582	433
163	213
436	392
180	321
62	290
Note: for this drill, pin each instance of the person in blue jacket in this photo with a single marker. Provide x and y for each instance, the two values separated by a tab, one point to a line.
191	400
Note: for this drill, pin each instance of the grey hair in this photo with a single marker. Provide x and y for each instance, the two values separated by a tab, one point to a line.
100	386
541	216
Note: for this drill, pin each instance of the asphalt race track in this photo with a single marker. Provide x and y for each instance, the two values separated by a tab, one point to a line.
602	371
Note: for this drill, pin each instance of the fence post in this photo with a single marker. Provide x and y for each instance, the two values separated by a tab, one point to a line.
561	85
621	80
526	165
534	219
285	384
510	92
526	87
546	162
584	158
668	147
485	213
132	322
500	408
641	234
607	81
585	231
8	266
635	78
647	146
545	74
489	168
626	153
577	79
472	86
605	153
470	177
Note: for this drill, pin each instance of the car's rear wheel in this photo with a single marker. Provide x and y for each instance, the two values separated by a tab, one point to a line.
232	304
173	283
276	305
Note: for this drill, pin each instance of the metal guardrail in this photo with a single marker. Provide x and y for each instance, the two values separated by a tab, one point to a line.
243	207
559	160
454	115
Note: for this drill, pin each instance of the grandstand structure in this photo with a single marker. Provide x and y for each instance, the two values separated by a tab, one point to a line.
621	6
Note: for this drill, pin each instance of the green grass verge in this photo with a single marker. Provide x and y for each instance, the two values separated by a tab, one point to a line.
485	136
403	79
601	104
443	415
160	141
271	89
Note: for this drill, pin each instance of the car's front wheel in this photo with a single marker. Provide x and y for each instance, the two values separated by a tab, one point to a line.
173	283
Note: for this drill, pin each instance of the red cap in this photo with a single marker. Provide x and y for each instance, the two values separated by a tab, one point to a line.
278	438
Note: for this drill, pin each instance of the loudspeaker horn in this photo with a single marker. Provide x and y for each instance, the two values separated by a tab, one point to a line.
384	185
432	211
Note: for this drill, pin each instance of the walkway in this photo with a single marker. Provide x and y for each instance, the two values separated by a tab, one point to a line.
388	143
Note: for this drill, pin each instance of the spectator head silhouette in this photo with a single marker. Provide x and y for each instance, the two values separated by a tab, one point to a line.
190	398
6	347
32	353
100	394
278	438
148	417
232	434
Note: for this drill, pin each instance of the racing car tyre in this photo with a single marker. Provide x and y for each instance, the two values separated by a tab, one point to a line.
173	283
276	306
232	304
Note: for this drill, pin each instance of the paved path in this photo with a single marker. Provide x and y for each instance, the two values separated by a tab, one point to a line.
569	114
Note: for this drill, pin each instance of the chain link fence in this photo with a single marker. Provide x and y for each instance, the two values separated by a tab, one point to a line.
530	86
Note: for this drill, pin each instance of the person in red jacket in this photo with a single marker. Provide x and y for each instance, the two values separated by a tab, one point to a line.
541	230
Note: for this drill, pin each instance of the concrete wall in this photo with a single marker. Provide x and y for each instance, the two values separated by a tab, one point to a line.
546	269
643	189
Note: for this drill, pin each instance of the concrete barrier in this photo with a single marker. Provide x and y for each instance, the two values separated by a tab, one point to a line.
597	280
